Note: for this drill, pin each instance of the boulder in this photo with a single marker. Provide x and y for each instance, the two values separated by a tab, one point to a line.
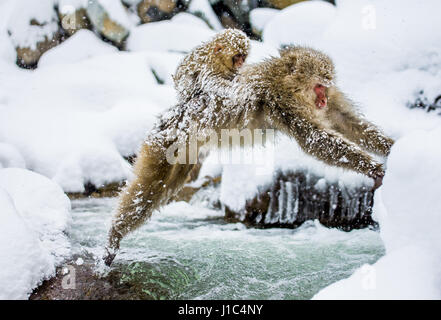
72	21
111	25
156	10
295	197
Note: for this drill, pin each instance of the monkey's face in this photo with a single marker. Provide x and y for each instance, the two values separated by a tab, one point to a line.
231	49
238	60
309	75
321	100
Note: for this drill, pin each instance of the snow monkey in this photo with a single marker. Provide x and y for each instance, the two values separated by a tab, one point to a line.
203	80
210	67
294	93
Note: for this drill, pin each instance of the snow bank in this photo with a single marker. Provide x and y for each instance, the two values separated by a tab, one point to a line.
80	119
34	215
82	45
408	208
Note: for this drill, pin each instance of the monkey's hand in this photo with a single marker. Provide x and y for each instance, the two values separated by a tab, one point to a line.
377	175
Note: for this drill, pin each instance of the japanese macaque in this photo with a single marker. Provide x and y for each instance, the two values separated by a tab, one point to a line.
211	67
294	93
203	80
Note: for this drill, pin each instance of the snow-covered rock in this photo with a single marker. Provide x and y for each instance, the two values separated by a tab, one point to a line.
110	19
408	208
82	45
34	215
33	29
30	24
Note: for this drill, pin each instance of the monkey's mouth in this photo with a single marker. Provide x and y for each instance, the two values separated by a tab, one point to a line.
321	100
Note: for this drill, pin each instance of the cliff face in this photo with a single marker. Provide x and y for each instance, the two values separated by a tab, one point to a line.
295	197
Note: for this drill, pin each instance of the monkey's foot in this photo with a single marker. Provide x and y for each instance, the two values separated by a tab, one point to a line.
109	257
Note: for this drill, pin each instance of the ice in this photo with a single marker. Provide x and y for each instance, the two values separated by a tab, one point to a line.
34	216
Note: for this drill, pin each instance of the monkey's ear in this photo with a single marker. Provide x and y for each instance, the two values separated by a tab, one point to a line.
218	48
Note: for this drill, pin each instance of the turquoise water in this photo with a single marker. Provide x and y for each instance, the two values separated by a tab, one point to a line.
189	252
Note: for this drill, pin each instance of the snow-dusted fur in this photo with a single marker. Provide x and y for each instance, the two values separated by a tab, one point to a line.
273	94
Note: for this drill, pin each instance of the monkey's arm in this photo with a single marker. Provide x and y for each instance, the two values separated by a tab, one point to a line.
357	129
330	147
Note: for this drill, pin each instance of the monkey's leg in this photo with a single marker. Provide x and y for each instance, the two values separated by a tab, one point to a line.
333	149
362	132
156	182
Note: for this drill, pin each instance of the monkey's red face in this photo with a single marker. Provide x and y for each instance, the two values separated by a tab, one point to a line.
321	100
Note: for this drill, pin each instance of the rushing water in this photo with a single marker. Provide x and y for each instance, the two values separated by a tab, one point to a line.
190	252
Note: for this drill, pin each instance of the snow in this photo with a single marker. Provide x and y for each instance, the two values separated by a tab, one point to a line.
75	128
35	214
87	106
410	219
25	35
298	23
259	17
203	8
167	36
10	157
66	5
116	12
82	45
189	19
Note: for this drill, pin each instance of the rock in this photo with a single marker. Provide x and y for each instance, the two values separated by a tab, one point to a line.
281	4
90	190
113	30
294	198
72	21
138	280
156	10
